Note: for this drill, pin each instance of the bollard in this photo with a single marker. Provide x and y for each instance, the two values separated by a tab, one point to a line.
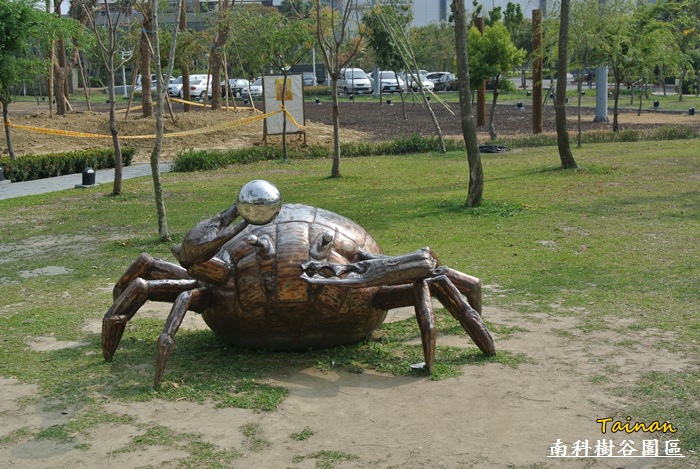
318	101
351	97
88	177
388	101
519	106
583	93
656	103
691	111
427	98
528	93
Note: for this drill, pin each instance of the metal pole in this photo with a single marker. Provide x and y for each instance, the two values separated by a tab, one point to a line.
601	94
124	80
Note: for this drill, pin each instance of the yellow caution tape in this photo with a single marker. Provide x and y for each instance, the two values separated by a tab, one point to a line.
291	118
213	128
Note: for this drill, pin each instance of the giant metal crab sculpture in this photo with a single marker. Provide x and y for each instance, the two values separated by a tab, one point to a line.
290	277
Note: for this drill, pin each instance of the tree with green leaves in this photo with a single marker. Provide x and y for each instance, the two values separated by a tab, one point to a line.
684	17
490	56
387	24
298	9
585	36
381	23
655	47
520	30
20	26
434	45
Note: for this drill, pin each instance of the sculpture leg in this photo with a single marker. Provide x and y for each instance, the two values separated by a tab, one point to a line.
192	299
468	285
149	268
450	297
426	321
128	303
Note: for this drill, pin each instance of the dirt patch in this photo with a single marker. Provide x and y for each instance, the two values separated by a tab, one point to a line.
492	416
359	121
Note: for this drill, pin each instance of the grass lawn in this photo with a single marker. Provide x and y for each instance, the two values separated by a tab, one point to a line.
614	245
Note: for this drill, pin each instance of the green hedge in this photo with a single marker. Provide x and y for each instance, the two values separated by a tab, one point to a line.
29	167
320	90
202	160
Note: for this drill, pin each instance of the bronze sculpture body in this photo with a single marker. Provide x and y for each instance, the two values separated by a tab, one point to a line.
301	278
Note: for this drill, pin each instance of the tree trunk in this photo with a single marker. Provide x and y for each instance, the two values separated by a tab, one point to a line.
335	167
114	131
145	51
59	79
185	66
8	135
492	113
616	124
565	154
537	117
158	143
217	54
476	173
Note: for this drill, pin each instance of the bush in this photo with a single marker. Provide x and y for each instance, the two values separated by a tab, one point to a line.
29	167
320	90
202	160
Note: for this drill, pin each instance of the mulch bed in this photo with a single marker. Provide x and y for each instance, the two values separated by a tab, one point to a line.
386	122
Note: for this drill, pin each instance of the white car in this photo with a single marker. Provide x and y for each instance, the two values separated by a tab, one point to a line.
198	88
139	82
390	82
422	81
256	90
175	86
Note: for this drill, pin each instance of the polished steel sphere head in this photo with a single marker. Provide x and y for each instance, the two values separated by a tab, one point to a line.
259	202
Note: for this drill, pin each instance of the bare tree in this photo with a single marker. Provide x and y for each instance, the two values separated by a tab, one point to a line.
108	49
405	51
338	47
223	28
476	172
161	89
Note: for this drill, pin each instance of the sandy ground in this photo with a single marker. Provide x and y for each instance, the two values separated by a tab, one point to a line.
491	416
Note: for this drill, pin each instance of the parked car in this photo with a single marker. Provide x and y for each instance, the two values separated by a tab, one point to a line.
443	82
309	78
175	86
421	81
435	78
255	90
198	88
354	81
236	85
389	82
139	82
